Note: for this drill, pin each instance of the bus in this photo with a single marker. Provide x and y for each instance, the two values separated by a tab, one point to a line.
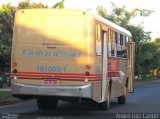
70	55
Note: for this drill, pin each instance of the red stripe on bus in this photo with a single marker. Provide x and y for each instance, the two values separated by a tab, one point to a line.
58	76
64	75
55	74
52	73
83	76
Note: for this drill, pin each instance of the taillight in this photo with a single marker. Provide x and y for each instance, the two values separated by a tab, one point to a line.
14	64
88	66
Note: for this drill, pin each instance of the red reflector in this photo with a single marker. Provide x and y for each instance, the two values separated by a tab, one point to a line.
87	73
14	71
14	64
88	66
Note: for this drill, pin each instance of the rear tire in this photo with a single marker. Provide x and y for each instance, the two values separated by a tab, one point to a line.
52	103
122	99
42	103
47	103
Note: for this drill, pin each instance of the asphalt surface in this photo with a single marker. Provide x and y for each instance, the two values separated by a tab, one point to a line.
145	100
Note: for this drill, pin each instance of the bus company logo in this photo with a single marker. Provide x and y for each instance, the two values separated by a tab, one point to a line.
43	53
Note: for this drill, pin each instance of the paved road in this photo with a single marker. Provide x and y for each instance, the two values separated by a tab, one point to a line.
146	99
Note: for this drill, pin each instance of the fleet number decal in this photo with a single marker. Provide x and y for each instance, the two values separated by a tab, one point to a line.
51	69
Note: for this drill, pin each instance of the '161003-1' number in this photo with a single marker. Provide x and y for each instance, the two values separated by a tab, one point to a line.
51	69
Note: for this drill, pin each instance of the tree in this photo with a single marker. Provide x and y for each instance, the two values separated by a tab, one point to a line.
27	5
59	5
157	40
123	18
6	25
151	56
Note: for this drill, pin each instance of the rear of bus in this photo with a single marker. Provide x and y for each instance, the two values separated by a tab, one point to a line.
52	55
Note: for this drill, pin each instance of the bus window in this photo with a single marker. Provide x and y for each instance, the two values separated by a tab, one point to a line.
127	39
113	49
119	50
118	44
124	40
116	38
124	52
124	48
98	40
110	41
121	39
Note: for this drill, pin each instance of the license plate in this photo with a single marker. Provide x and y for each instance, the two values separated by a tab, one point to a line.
50	81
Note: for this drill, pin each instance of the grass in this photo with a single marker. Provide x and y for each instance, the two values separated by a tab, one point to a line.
147	79
5	95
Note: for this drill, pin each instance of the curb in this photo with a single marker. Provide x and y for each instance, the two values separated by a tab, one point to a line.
10	101
138	83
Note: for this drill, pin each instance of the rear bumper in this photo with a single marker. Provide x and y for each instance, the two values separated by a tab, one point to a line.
85	91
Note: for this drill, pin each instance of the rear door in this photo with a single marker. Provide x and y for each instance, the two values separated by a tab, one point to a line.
104	64
131	60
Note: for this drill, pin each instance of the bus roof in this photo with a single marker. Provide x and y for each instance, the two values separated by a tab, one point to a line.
111	24
97	17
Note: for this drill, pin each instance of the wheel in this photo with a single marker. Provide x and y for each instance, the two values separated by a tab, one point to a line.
47	103
42	103
52	103
122	99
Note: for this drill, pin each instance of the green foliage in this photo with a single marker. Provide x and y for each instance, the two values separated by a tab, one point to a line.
59	5
138	34
103	12
157	40
24	4
5	95
150	59
6	25
28	5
